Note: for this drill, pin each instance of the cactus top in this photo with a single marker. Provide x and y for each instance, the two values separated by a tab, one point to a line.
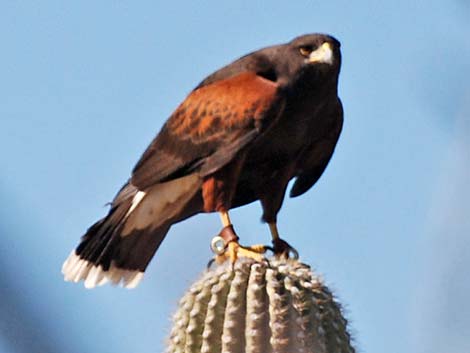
280	306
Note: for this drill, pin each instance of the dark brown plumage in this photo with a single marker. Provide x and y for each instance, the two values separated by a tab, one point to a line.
240	136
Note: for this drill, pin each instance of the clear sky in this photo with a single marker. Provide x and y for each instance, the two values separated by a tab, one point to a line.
85	86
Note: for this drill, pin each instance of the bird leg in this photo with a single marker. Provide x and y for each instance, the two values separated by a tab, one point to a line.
231	249
280	246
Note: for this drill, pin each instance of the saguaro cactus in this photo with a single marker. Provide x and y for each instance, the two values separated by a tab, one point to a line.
279	306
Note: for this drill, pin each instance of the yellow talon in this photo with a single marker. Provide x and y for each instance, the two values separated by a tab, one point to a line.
234	251
254	252
258	248
226	246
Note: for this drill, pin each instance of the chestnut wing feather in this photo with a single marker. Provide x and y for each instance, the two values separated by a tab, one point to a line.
208	129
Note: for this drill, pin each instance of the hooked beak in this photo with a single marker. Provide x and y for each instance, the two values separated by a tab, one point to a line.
324	54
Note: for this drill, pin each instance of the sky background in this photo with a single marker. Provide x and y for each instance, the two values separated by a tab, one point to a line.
85	86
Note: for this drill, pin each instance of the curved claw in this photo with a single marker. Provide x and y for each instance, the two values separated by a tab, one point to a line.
210	263
270	248
283	248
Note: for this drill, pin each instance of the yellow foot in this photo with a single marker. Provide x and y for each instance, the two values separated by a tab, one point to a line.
233	250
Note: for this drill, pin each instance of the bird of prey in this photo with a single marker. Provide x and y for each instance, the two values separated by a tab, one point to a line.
240	136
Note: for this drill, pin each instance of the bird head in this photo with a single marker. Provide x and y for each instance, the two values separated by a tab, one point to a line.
315	49
310	59
304	62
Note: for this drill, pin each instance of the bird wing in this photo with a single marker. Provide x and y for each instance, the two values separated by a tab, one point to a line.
204	133
208	129
315	158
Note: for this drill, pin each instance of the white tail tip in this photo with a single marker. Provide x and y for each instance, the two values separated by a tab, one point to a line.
76	269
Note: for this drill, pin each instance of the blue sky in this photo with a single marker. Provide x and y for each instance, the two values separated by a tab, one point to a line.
85	86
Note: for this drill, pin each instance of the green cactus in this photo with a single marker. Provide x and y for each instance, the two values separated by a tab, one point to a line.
279	306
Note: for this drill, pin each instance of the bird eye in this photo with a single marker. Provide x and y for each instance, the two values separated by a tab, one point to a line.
305	51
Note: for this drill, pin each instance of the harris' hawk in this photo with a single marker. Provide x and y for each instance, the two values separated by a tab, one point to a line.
240	136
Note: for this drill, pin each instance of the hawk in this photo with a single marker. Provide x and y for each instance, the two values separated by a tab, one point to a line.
240	136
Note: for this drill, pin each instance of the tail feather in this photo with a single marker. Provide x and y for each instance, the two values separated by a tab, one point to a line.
119	247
